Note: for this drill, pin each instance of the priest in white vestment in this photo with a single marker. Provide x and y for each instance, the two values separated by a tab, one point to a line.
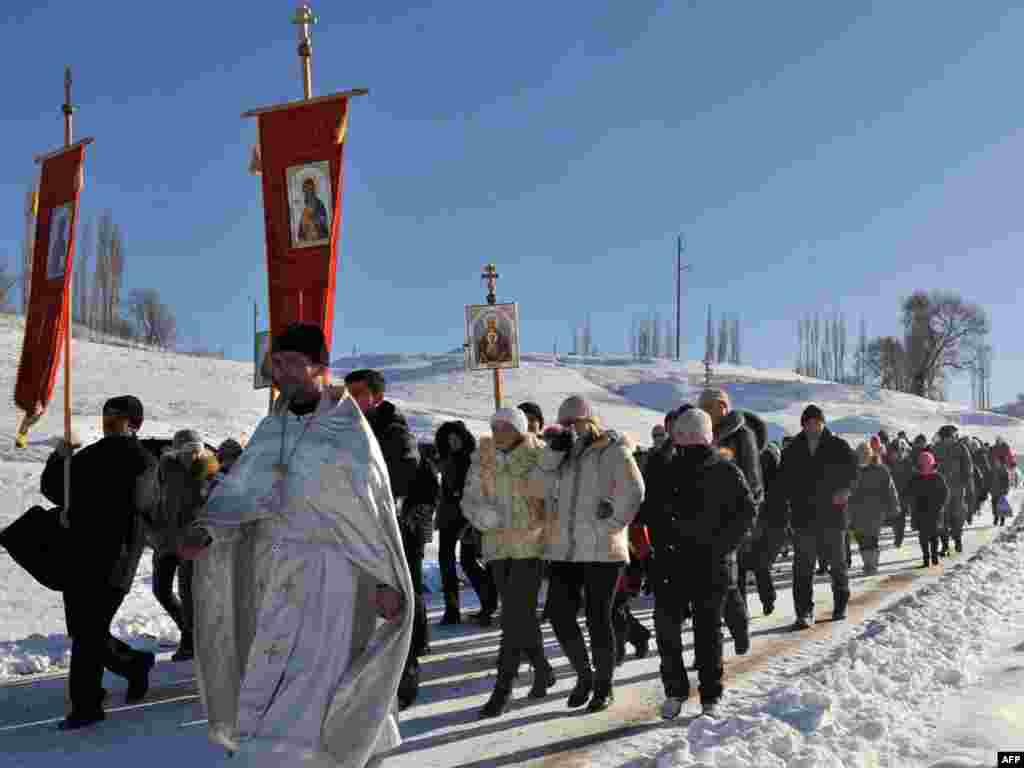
303	599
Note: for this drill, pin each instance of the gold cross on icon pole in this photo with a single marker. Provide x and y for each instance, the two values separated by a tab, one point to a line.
304	19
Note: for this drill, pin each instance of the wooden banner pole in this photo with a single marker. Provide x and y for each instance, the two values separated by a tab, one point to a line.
69	110
490	275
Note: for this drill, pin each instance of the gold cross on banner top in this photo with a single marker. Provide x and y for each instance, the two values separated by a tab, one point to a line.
304	19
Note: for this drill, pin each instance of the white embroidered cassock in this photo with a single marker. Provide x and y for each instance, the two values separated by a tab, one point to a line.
294	667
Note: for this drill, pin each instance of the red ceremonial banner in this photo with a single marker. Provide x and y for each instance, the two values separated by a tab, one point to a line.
49	302
301	150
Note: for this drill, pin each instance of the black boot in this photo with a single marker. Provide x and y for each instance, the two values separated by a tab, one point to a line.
498	703
839	608
451	610
604	697
543	678
77	720
409	685
138	686
581	693
958	543
185	650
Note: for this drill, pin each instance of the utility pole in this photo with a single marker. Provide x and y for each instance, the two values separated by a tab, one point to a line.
680	268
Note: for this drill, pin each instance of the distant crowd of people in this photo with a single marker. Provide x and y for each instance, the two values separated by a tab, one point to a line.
334	482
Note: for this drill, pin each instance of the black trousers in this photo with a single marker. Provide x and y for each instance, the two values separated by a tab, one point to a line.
929	546
180	608
518	584
670	600
830	544
765	552
89	610
568	584
412	544
899	527
627	627
469	559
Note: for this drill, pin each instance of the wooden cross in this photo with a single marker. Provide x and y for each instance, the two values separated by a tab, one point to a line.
68	108
304	19
490	274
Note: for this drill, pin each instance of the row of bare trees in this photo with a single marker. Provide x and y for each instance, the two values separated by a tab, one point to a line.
823	344
943	335
98	301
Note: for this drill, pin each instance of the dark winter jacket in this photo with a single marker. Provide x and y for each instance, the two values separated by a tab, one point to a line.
927	495
697	509
182	491
982	475
902	473
454	468
401	454
999	482
775	509
416	519
113	489
810	482
874	500
743	434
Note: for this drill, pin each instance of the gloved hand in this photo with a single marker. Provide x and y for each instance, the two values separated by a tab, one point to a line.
563	441
605	509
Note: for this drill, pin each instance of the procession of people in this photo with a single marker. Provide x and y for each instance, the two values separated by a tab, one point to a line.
298	557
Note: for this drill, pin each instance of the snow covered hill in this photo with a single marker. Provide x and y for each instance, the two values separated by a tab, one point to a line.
858	700
216	397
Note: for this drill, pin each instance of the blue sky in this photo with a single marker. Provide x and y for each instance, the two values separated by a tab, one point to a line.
831	156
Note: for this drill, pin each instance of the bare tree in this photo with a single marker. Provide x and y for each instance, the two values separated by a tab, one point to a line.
27	246
8	282
80	284
709	339
799	345
633	333
886	361
842	348
723	339
737	349
154	321
944	335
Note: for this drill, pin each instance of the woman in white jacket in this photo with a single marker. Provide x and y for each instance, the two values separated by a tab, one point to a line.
595	490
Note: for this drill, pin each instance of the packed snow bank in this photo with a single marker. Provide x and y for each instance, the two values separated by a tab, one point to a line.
882	697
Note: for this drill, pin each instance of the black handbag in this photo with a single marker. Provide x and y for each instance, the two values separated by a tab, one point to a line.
42	546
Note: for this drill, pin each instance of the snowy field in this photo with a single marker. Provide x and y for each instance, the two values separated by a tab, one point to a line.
931	672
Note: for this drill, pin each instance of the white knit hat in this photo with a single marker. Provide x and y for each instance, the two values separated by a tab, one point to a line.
575	408
513	417
692	427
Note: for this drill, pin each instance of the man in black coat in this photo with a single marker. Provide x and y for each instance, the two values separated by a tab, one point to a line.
740	436
818	472
113	487
772	524
455	445
412	489
697	509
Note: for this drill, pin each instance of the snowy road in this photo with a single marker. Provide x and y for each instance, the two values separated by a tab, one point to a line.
442	729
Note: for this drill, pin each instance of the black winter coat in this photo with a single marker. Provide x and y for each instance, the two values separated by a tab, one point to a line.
401	453
811	481
738	434
113	491
454	468
775	509
697	509
927	495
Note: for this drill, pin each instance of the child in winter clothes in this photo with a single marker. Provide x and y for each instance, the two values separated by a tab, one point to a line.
874	501
627	627
927	495
1000	490
185	473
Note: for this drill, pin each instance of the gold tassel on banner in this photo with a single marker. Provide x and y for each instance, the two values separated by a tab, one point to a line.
342	129
256	161
80	180
34	202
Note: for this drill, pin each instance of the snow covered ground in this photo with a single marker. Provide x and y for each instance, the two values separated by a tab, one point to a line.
880	689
